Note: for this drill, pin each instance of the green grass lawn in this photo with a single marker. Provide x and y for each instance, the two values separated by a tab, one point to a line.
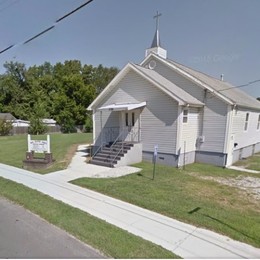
63	146
112	241
252	162
184	195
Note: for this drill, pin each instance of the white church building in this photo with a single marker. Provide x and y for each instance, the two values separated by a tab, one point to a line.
190	116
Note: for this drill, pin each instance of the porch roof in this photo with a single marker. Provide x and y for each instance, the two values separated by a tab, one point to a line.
121	107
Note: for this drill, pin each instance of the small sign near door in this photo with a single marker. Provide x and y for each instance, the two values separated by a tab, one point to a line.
155	154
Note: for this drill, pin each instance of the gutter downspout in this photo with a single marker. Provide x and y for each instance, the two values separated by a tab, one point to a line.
202	119
179	135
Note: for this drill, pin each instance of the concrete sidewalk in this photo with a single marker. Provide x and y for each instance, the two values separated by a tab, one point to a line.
79	169
184	240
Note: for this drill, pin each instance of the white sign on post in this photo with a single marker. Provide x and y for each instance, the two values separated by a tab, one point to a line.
39	146
155	150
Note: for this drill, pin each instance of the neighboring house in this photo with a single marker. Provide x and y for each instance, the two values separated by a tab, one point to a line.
191	116
21	126
20	123
49	122
7	116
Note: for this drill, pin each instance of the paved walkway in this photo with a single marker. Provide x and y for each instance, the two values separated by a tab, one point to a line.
242	169
184	240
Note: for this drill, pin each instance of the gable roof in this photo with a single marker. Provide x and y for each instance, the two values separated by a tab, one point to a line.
169	88
182	96
222	89
236	95
7	116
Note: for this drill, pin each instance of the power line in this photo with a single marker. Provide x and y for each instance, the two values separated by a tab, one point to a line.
241	86
49	28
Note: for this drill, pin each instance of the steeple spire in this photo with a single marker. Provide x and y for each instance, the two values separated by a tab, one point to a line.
156	44
156	39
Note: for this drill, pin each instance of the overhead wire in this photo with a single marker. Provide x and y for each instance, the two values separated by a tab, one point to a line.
49	28
240	86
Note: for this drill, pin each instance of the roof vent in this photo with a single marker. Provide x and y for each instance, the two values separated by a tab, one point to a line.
152	64
222	77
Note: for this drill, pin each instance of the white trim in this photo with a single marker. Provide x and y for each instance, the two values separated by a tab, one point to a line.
158	85
190	77
110	86
94	125
179	132
122	107
122	73
228	131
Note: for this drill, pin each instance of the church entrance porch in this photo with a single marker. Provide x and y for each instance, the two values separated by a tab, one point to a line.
119	140
126	127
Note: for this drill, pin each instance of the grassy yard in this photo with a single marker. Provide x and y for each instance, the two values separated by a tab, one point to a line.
252	162
190	195
63	146
112	241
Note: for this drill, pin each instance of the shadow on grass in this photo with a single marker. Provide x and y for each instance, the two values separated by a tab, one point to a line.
146	177
195	210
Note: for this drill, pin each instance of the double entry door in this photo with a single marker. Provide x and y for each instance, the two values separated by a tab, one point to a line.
130	125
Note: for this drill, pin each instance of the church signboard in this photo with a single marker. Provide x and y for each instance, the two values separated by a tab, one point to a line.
38	147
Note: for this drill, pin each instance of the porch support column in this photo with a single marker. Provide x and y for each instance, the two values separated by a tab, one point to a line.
139	125
101	127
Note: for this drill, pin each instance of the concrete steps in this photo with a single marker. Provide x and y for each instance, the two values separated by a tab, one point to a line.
109	156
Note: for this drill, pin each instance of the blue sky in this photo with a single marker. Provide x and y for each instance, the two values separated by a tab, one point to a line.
213	36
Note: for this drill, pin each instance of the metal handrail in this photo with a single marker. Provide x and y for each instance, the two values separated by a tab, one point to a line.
122	148
134	133
99	148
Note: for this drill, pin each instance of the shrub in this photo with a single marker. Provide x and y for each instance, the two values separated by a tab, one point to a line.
5	127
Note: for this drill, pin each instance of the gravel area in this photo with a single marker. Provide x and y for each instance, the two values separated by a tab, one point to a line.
249	184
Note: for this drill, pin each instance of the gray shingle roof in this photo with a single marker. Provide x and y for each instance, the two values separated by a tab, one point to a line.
236	95
168	85
7	116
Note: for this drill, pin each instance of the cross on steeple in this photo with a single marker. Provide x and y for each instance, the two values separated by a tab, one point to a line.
156	39
157	19
156	45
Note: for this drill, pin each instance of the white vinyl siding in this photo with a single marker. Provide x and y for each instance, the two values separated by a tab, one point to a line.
252	135
214	124
158	118
215	110
180	81
191	130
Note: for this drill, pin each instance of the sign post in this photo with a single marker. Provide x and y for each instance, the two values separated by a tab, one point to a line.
155	154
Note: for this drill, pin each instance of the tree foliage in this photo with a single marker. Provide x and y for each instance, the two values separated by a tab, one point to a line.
5	127
62	91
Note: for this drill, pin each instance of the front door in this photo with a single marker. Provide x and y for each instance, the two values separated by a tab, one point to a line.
130	125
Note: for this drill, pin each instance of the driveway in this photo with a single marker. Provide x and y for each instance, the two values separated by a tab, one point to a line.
25	235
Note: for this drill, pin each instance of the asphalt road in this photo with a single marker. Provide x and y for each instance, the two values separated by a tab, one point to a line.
25	235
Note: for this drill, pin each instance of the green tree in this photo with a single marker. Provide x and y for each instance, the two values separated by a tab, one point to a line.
64	91
5	127
36	124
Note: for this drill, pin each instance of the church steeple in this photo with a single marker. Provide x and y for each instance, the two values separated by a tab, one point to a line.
156	45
